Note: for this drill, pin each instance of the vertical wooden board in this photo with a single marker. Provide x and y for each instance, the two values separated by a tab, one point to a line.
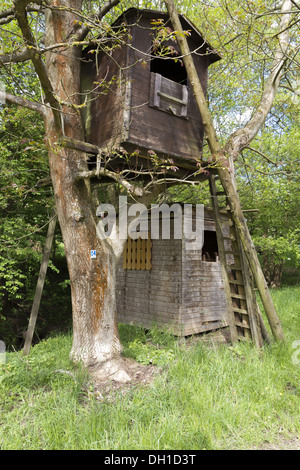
129	253
148	253
143	256
125	256
108	107
138	253
133	254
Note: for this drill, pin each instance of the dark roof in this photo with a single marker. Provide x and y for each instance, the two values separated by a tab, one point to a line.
198	37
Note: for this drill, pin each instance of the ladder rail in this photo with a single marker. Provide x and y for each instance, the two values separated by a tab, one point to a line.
222	256
243	311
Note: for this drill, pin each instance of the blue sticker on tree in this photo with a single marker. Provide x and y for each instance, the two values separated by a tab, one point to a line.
93	253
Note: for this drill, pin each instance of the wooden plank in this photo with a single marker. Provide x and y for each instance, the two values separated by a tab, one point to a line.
234	267
237	282
194	329
148	251
238	296
242	325
240	310
40	284
138	254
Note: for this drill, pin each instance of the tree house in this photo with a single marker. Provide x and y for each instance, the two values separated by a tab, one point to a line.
141	114
141	104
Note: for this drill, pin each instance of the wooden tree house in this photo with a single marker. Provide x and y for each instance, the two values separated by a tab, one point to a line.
142	101
141	113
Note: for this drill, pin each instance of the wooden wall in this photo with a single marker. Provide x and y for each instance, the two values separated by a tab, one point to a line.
108	103
155	129
181	292
144	297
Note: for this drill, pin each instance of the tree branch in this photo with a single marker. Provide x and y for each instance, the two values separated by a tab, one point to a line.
132	190
84	30
15	57
242	137
19	101
39	66
261	154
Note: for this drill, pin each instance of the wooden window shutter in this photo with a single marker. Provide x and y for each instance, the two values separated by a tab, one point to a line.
168	96
137	254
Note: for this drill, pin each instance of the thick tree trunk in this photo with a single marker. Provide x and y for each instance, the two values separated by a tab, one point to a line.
95	333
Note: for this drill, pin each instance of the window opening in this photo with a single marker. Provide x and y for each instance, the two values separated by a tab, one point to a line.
168	89
167	66
210	250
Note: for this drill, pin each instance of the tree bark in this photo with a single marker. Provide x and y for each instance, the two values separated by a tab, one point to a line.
95	332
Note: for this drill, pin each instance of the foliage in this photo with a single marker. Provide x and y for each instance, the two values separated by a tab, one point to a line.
25	208
207	396
268	173
269	181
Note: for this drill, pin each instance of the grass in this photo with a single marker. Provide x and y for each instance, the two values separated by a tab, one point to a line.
206	395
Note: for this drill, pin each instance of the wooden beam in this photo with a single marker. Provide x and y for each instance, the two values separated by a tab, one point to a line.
40	285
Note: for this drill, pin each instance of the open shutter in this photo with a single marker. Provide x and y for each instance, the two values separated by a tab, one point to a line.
168	95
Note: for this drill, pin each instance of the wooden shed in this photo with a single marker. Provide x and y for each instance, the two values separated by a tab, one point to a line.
172	286
141	99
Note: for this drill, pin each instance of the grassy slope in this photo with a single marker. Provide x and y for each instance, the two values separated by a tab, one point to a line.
206	396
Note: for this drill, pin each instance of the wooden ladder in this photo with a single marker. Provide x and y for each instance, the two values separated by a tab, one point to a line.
244	317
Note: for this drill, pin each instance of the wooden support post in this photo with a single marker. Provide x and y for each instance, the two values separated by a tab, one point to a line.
40	285
226	178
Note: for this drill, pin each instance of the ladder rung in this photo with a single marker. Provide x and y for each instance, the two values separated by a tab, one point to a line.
238	296
232	239
233	253
234	281
243	325
227	223
234	267
240	310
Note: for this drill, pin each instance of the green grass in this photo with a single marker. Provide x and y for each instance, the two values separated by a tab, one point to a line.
206	396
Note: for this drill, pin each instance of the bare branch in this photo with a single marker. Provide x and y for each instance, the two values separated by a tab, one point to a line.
132	190
19	101
15	57
84	30
7	16
39	66
241	138
261	154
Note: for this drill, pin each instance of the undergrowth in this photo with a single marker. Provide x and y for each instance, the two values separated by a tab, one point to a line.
205	395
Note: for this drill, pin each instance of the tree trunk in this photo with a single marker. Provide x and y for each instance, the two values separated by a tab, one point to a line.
95	332
272	270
